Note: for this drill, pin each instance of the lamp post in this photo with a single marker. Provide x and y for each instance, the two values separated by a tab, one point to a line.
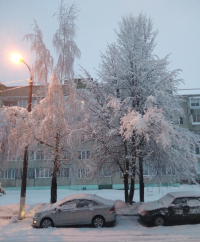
21	215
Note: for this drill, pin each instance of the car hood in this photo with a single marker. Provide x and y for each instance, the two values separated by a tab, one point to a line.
150	206
46	208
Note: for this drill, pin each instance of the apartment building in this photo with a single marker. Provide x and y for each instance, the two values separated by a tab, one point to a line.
191	120
72	177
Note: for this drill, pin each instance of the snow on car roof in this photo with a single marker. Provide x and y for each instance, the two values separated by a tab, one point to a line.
184	194
86	196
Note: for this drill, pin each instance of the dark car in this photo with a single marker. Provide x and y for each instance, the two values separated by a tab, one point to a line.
173	208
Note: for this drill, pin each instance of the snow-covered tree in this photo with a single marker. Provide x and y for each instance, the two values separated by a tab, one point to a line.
43	63
15	143
134	108
1	189
64	43
54	120
53	116
19	125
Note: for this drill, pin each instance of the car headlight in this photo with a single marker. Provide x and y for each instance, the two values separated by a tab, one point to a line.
37	215
144	212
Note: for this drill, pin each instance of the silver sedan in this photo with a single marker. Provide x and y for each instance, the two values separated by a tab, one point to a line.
76	209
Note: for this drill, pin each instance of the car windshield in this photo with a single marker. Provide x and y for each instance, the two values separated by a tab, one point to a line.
166	200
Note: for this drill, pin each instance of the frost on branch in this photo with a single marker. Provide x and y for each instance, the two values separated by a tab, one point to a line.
151	126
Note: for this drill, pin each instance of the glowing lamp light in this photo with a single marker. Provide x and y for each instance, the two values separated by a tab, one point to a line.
16	58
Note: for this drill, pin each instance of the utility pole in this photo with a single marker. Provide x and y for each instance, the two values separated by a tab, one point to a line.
25	160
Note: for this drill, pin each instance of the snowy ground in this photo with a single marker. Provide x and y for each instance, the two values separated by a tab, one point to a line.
127	228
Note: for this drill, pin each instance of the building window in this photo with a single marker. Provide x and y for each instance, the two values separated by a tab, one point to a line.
170	171
105	171
63	172
84	173
36	155
15	158
23	103
18	173
195	102
197	150
47	172
8	174
181	120
39	155
34	103
198	168
31	173
83	154
42	173
196	118
148	170
31	155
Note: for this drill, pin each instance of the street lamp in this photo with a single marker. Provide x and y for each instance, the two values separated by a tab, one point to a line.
18	59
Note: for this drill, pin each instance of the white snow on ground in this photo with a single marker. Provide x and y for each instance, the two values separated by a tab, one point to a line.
127	228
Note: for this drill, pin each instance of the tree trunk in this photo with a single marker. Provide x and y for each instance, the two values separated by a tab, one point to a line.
126	171
141	179
23	185
54	187
126	187
132	187
56	166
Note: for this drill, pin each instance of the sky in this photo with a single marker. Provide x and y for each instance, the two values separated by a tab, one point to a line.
177	21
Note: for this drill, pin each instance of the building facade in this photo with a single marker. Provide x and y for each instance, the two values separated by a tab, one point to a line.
191	120
39	171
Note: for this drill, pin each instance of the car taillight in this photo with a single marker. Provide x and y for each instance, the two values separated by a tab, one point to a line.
112	209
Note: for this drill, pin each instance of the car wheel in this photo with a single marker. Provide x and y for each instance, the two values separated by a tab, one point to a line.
98	222
159	221
46	223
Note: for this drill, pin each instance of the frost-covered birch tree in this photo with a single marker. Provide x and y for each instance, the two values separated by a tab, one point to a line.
56	119
53	116
43	63
54	105
64	42
136	108
53	121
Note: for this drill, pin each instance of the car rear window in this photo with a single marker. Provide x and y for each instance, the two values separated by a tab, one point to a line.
193	202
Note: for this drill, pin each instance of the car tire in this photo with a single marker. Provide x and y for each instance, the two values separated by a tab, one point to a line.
46	223
158	221
98	222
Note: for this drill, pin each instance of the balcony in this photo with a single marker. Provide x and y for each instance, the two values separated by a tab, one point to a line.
195	103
